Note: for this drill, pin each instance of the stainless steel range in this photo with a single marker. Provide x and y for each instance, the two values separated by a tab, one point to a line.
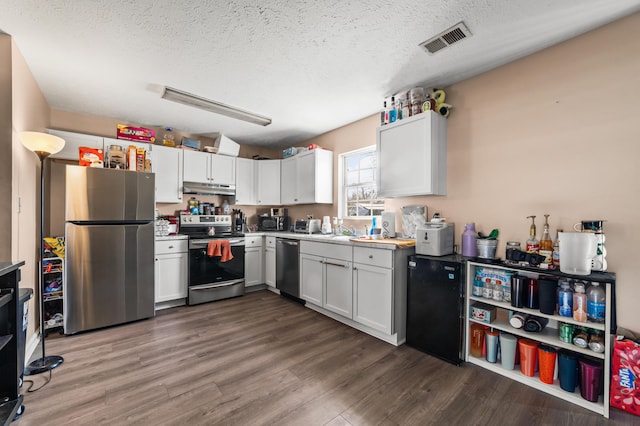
216	258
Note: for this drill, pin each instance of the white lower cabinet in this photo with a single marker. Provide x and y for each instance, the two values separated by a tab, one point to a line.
171	270
325	276
270	262
253	261
338	289
373	297
312	278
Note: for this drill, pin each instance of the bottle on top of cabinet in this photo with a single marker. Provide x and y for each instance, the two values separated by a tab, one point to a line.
469	247
555	258
595	302
565	299
533	245
546	245
579	302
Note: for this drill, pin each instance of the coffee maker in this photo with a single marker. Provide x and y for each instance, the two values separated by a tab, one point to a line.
239	221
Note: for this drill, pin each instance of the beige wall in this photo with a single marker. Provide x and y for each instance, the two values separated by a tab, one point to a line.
555	132
29	112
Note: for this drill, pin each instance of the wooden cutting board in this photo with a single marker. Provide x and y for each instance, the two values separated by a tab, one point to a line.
399	242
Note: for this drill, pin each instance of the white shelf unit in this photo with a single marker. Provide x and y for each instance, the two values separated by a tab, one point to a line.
549	336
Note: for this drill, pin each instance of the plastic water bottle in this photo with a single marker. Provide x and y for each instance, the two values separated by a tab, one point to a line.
469	247
565	300
595	303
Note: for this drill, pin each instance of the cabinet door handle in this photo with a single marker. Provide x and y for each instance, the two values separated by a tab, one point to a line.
336	264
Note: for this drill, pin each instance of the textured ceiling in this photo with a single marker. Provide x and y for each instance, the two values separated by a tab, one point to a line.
311	66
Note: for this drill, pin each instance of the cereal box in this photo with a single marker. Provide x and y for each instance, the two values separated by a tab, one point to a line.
139	134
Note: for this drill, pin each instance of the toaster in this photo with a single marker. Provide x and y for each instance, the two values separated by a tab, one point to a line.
435	239
310	226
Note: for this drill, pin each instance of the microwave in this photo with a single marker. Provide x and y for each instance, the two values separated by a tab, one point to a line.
272	223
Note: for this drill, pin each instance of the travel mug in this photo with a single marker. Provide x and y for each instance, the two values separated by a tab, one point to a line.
491	340
590	378
531	294
547	363
567	370
528	356
547	291
508	343
535	324
518	285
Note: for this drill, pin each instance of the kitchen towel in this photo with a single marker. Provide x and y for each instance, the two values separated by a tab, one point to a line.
220	248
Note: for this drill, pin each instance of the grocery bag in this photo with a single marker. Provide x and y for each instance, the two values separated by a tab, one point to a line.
625	376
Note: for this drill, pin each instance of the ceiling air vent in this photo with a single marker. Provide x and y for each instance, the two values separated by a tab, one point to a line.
446	38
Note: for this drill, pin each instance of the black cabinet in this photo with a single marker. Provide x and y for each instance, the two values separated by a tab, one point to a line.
10	323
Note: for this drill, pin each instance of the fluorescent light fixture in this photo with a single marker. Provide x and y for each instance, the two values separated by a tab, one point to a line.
196	101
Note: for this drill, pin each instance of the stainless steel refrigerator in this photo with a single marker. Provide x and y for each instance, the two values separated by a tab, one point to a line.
109	244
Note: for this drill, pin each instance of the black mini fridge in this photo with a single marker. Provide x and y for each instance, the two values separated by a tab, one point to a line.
435	301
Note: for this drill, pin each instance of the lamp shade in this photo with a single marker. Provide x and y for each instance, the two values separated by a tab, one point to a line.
41	142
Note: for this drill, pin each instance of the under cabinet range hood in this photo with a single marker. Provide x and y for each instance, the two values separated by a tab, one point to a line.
208	188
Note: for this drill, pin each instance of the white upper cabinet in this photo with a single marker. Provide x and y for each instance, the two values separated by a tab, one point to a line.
412	156
268	182
208	168
245	181
307	178
73	141
166	163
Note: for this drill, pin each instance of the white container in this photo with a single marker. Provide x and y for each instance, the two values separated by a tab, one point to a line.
576	251
227	147
388	225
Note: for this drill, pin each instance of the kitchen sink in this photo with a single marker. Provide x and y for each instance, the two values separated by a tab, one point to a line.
342	237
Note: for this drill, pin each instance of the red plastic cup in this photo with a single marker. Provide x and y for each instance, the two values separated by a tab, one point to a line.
528	356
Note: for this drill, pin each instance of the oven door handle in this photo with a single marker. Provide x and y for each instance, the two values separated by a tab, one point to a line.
203	245
209	287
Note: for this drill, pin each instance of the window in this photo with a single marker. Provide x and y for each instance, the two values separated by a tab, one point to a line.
358	196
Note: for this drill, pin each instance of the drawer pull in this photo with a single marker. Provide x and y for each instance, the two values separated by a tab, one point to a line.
170	246
370	256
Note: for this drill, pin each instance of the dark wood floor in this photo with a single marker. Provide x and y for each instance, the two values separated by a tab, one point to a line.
263	360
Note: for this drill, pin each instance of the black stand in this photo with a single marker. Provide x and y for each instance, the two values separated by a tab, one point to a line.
50	362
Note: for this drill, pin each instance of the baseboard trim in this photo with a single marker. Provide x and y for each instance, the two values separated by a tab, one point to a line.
30	347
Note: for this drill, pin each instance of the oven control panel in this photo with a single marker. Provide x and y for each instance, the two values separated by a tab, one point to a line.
205	220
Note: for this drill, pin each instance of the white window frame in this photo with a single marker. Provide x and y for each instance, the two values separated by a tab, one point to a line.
342	202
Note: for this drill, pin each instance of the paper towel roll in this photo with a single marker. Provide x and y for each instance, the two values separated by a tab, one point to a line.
388	224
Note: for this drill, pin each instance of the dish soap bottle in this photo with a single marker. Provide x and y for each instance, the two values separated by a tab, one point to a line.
546	245
469	247
533	245
225	207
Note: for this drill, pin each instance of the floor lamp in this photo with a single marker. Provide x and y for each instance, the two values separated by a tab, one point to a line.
43	145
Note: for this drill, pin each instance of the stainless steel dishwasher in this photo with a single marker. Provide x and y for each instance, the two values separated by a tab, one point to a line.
287	267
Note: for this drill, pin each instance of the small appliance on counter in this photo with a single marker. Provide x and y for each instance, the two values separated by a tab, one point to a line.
435	239
272	223
309	226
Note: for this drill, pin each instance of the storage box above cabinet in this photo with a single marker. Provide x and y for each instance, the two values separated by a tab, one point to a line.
412	156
